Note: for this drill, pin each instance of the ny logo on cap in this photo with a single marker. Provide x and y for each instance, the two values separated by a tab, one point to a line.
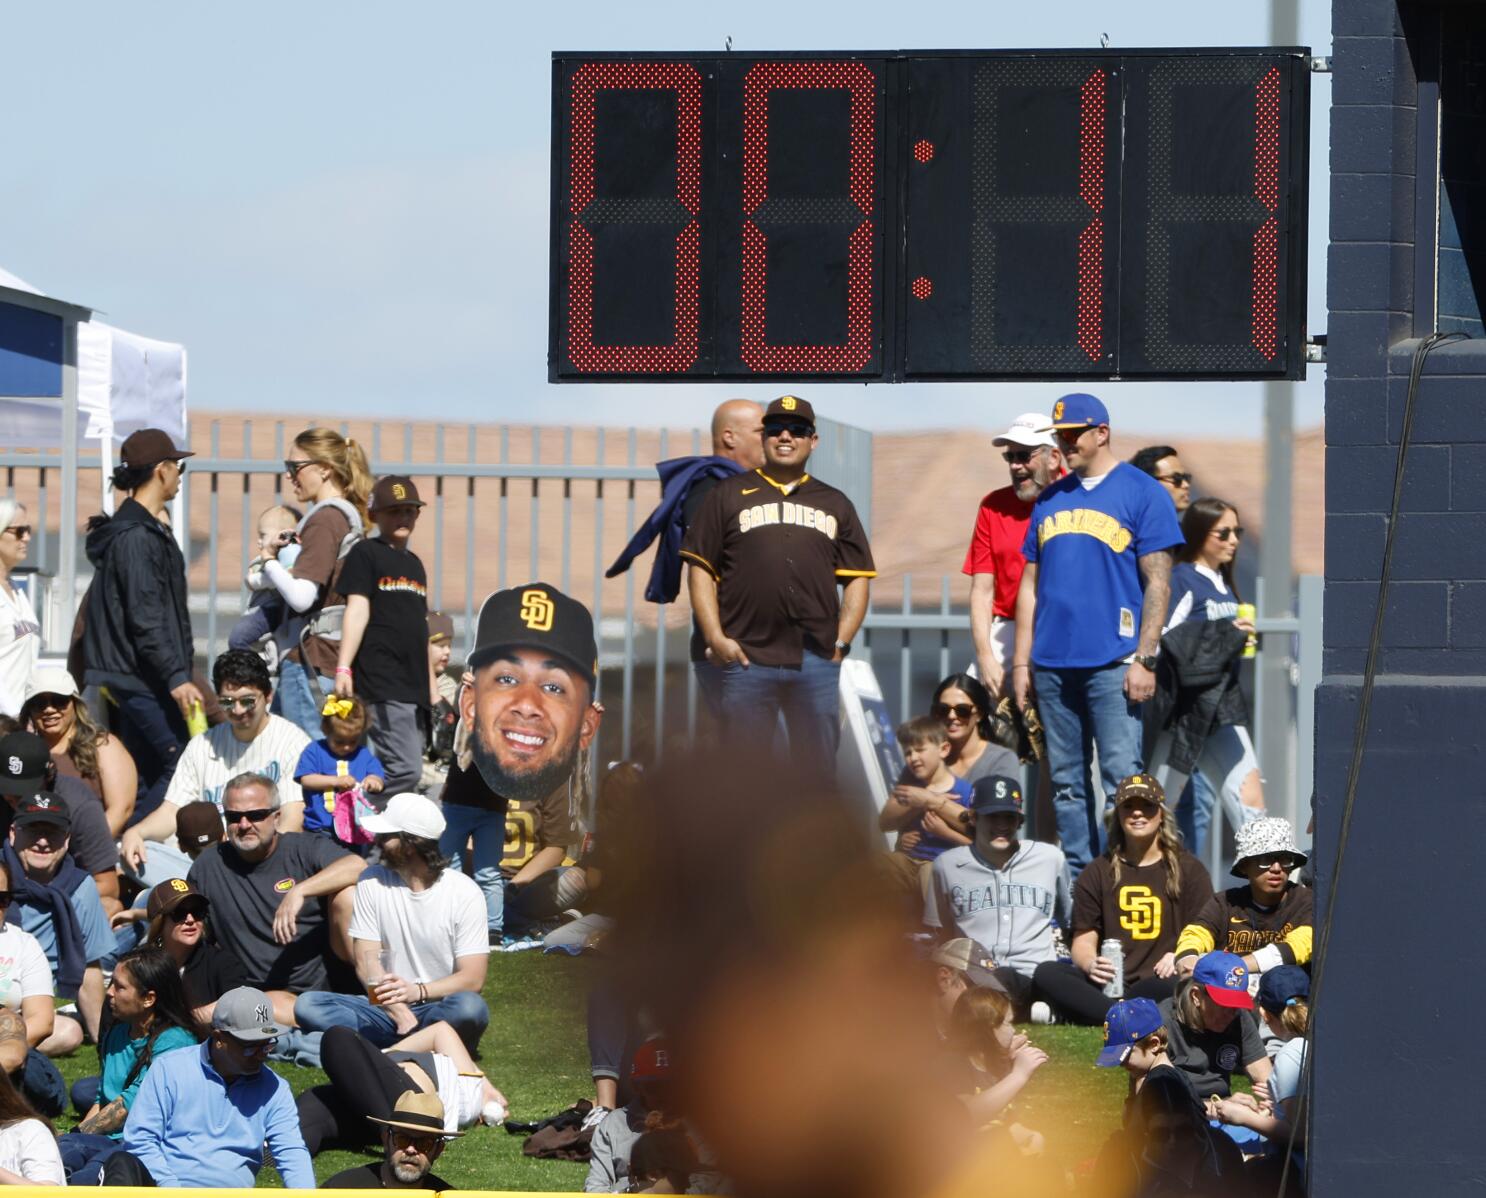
14	765
262	1012
1058	410
399	491
537	610
789	403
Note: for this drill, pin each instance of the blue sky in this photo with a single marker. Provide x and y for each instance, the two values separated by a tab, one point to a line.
341	208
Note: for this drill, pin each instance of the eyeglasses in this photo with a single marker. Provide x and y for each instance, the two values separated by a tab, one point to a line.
961	711
423	1144
182	913
180	466
238	702
251	1048
1177	478
795	428
292	466
48	702
1070	435
1235	532
256	816
1018	457
19	531
1273	860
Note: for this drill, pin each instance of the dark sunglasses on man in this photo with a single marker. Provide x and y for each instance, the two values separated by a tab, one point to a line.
795	428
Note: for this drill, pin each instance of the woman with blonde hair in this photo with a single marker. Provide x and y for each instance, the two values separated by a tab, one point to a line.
1142	892
330	475
20	634
81	749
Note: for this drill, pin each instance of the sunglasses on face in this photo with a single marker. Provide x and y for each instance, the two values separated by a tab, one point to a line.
795	428
421	1144
48	702
961	711
292	466
1143	807
238	702
1178	478
183	913
1272	861
1070	436
251	1048
256	816
1235	532
19	531
1017	457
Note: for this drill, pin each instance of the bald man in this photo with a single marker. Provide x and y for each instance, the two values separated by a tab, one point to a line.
737	445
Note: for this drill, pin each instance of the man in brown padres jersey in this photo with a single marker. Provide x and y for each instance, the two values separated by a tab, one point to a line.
768	551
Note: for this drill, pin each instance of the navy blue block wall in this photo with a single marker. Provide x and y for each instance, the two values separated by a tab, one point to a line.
1419	823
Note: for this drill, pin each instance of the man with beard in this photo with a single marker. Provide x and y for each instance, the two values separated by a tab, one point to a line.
413	1138
994	560
529	711
261	882
429	919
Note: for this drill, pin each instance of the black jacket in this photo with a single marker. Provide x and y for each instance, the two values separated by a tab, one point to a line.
1197	686
137	632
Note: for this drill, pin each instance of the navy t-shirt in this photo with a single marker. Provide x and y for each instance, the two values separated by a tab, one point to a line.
319	805
1087	545
1198	594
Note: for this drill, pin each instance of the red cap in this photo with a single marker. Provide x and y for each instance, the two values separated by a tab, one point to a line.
652	1062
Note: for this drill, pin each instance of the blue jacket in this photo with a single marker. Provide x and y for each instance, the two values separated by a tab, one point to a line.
677	477
189	1128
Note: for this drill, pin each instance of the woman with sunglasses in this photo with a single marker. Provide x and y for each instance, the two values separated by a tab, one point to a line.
964	706
1206	728
54	710
1141	892
20	634
149	1018
330	476
177	914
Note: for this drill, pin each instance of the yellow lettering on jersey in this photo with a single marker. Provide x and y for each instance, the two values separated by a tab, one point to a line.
1085	522
1142	918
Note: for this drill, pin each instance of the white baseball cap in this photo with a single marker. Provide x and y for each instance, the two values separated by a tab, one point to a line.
408	814
1031	429
50	680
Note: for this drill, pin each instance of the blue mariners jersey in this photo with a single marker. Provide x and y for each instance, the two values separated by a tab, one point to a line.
1087	546
1199	594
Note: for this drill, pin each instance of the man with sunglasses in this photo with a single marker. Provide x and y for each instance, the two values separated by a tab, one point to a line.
1163	464
779	579
994	560
253	740
136	629
1090	609
204	1115
282	900
413	1138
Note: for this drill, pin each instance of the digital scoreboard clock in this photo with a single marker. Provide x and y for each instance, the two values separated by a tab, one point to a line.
893	217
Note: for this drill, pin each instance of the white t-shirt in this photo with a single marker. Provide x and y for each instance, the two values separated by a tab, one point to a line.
24	972
427	930
214	758
29	1149
20	642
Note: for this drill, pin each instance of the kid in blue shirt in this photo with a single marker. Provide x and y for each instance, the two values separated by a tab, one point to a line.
929	808
337	762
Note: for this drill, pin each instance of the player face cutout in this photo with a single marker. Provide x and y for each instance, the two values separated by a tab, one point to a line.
530	716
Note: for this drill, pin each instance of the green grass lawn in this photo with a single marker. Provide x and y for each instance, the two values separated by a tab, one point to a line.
535	1050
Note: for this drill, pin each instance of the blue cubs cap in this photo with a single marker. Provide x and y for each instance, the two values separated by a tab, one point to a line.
1125	1024
1225	979
1281	986
1079	410
996	793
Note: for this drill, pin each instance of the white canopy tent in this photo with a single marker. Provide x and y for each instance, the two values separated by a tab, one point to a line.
111	383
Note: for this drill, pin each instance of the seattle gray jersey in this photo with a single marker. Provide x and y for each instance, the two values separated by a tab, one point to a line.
1009	910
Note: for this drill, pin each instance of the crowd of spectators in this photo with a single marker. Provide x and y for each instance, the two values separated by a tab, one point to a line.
314	859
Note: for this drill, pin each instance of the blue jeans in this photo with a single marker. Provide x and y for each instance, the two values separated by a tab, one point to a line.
709	687
1194	814
302	694
83	1154
1081	708
809	699
488	828
318	1010
151	727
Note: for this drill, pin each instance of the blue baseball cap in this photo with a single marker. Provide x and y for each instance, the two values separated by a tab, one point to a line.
1125	1024
995	793
1281	986
1226	980
1079	410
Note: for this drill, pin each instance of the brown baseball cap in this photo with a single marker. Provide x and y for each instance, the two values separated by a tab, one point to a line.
440	627
198	824
169	895
790	407
1140	786
396	490
149	447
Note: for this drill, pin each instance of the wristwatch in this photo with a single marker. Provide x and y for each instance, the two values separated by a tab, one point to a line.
1148	662
843	647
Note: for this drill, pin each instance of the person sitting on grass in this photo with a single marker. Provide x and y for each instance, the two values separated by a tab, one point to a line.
929	801
413	1138
1167	1148
994	1062
428	919
203	1117
662	1162
149	1018
28	1149
178	924
958	965
615	1137
339	761
366	1083
1135	1039
1284	1001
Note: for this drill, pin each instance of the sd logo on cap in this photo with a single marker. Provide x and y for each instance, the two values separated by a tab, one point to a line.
536	615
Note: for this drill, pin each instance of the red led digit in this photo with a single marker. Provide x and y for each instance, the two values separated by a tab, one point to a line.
1267	192
591	78
756	351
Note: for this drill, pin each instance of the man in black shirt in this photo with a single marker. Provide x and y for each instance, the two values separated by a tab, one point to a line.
414	1138
384	636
